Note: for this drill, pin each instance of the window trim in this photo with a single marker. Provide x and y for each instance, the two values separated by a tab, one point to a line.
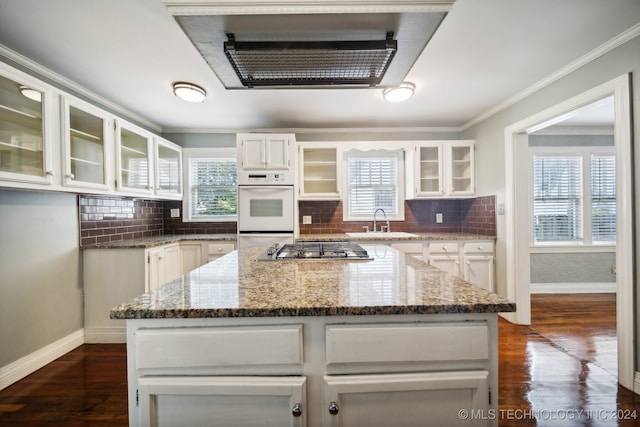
398	152
585	152
192	153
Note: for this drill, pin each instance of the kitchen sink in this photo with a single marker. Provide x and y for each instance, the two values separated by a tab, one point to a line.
383	235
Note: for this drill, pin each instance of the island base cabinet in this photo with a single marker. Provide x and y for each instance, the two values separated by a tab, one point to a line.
222	401
422	399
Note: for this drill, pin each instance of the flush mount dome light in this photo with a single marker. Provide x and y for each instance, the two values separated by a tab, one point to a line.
399	93
189	92
30	93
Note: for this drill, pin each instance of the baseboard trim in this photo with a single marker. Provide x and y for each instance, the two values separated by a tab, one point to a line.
30	363
112	335
573	288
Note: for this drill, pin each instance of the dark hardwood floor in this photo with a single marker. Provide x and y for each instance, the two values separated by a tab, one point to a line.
560	371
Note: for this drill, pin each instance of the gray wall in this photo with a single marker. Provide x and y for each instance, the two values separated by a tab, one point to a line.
40	276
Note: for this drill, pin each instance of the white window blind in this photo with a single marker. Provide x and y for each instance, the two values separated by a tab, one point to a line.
603	197
557	198
168	171
213	187
373	184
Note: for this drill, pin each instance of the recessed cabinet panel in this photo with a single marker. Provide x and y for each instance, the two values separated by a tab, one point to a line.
22	132
407	400
223	401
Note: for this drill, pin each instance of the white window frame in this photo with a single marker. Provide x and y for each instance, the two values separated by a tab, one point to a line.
203	153
399	153
587	236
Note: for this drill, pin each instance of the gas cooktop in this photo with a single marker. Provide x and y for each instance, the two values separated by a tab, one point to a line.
315	250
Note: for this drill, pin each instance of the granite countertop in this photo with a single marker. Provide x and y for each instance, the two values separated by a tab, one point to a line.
149	242
236	285
381	237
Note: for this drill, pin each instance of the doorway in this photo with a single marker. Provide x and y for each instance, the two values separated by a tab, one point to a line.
517	215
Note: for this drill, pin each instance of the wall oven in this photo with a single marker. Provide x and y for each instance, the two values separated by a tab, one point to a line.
266	215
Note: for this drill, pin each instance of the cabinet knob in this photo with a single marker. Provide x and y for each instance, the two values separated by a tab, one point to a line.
444	249
219	249
71	176
296	411
333	408
50	173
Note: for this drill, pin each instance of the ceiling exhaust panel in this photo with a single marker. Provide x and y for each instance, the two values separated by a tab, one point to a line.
310	63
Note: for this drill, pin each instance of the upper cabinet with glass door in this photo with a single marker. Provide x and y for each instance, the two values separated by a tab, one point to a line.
443	169
168	169
88	145
319	174
24	133
134	154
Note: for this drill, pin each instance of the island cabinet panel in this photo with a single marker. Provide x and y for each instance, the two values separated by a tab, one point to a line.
222	401
425	399
219	347
393	343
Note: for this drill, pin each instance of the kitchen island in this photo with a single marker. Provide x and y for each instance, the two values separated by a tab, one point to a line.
387	341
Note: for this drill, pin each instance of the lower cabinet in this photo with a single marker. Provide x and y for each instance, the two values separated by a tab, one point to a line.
472	260
409	371
164	263
249	401
420	399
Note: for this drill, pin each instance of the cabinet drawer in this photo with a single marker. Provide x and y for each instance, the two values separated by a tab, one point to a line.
406	343
408	248
219	347
478	248
220	248
443	248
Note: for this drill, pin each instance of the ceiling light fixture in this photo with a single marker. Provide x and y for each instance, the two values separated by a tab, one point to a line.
399	93
30	93
189	92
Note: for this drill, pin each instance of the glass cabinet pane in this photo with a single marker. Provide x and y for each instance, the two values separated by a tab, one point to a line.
134	160
21	130
461	169
86	139
168	170
430	169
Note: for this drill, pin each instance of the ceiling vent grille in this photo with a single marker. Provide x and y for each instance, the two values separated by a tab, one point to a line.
310	63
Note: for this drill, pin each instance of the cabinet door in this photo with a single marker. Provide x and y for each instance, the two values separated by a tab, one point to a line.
426	399
277	152
172	263
460	167
222	401
254	155
319	173
24	130
191	254
478	270
87	146
155	268
168	178
134	147
428	166
448	263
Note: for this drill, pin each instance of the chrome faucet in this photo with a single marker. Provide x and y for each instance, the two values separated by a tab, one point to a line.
375	227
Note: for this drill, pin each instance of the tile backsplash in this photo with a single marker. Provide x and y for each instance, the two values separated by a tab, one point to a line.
476	216
106	219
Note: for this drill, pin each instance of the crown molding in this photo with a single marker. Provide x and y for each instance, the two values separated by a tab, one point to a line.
319	130
43	72
615	42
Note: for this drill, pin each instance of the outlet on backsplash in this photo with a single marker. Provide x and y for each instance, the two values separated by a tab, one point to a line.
306	219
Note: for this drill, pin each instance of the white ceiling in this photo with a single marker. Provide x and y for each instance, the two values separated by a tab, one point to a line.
484	53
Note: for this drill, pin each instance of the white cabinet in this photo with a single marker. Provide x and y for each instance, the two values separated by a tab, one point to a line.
134	159
265	151
478	264
25	135
88	145
222	401
319	177
416	399
196	253
445	256
217	249
442	169
168	169
164	263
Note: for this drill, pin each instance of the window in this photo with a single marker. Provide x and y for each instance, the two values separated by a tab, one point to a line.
574	197
212	186
374	182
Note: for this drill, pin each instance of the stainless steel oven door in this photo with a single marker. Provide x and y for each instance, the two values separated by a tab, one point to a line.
266	208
